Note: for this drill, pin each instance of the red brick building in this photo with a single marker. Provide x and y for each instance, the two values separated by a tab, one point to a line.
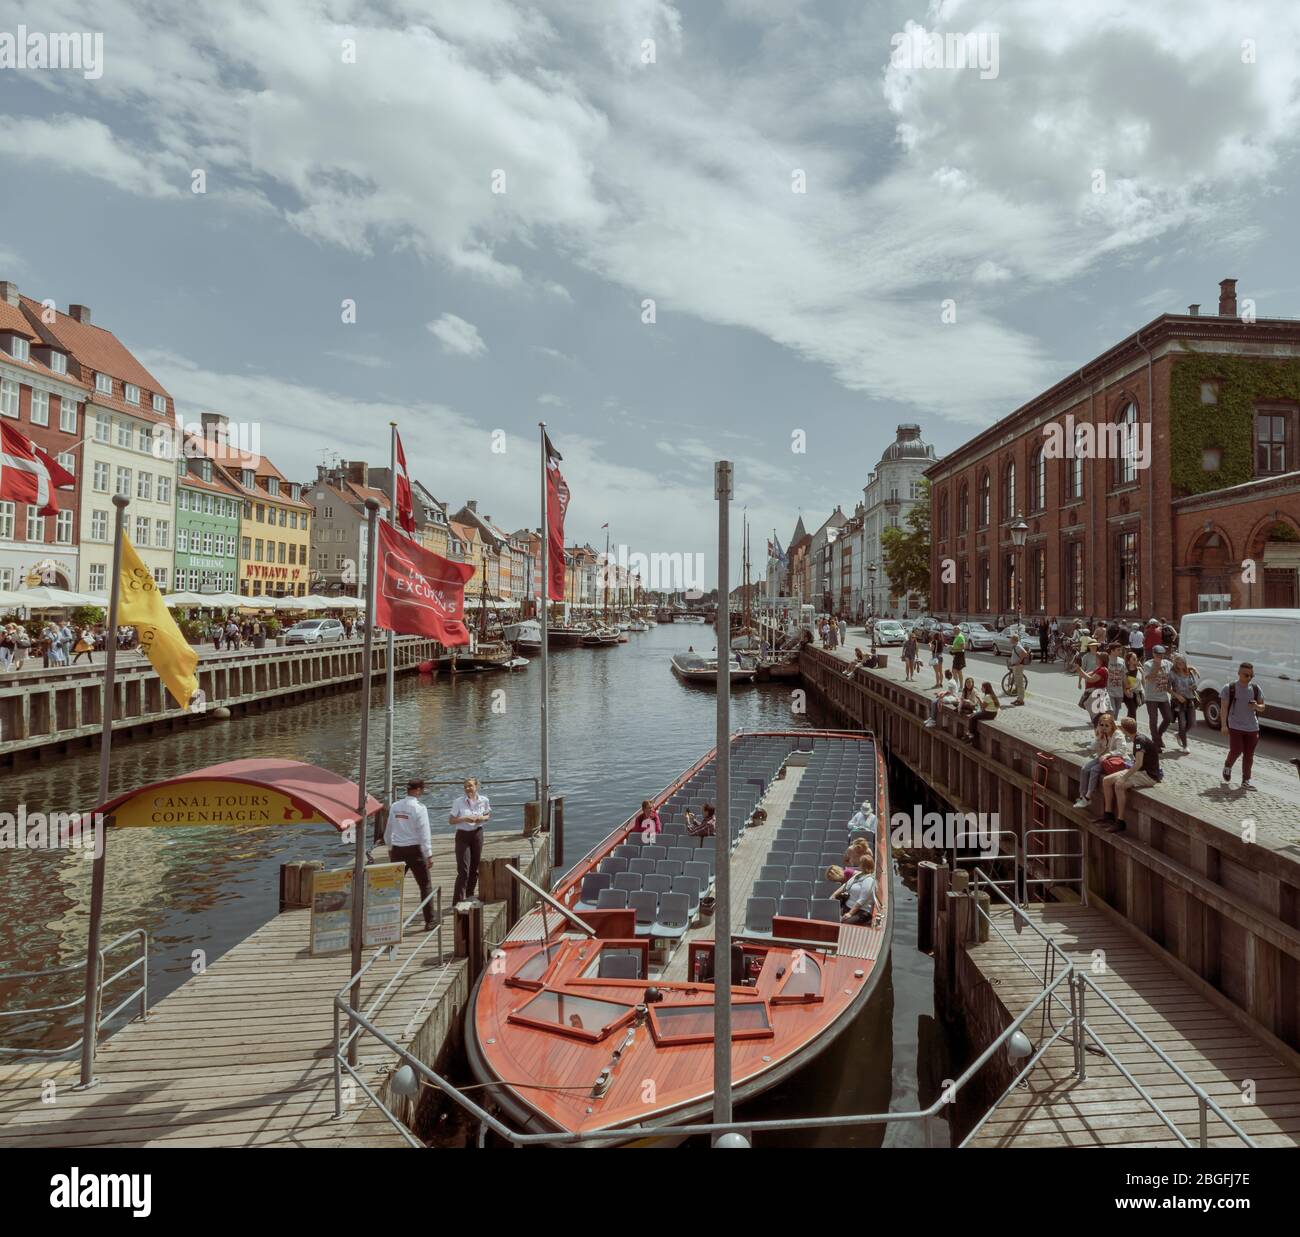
1160	478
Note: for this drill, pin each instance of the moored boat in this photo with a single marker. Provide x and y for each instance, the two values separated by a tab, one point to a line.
597	1013
703	668
565	637
525	635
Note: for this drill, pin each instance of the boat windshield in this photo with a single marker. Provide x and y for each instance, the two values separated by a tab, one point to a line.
587	1016
694	1023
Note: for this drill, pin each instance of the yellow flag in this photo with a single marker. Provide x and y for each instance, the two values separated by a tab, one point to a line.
141	606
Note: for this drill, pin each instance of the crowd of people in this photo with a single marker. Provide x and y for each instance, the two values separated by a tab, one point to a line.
57	643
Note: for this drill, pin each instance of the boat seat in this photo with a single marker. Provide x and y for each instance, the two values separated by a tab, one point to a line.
643	867
612	900
625	850
625	964
827	910
682	854
674	916
767	889
646	906
797	889
629	882
656	883
796	908
691	887
592	884
758	916
670	867
807	859
802	872
701	872
784	846
654	852
772	872
612	865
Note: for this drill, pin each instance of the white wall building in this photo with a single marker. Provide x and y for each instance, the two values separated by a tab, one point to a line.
892	490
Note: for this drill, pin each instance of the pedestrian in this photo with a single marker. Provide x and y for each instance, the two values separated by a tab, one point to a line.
1152	636
1020	658
909	657
1240	705
1044	636
1182	690
468	814
936	656
84	646
1155	685
22	645
1134	688
1115	678
408	840
1137	638
7	645
988	709
1145	772
958	651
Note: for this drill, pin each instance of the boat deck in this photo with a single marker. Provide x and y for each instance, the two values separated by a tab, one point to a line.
1255	1087
747	860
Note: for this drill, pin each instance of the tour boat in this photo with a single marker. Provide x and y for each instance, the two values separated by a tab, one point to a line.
526	636
596	1011
565	637
703	668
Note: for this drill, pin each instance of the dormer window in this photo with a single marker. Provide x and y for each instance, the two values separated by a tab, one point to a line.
273	486
132	393
205	469
59	362
248	479
160	403
295	491
104	384
19	348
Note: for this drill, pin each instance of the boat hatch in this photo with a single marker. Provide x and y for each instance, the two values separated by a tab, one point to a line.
533	970
801	982
693	1024
625	960
583	1017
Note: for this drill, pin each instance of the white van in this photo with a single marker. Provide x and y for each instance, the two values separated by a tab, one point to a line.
1217	642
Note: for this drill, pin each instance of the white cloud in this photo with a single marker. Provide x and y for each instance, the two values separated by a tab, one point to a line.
458	337
551	401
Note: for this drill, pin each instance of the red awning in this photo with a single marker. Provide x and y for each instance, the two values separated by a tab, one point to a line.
316	793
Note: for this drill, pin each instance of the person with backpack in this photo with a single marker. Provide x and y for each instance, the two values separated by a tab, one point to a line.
1155	683
1020	658
1240	705
1182	689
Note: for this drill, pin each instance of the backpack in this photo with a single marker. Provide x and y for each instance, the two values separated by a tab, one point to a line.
1255	693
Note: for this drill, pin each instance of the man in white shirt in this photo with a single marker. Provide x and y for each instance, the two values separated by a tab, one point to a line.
864	821
468	814
408	840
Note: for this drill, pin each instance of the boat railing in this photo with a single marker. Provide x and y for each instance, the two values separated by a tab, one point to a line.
140	993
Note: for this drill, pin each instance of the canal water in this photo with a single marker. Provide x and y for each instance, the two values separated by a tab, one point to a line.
622	727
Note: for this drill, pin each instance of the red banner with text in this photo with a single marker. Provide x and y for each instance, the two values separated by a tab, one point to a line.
420	593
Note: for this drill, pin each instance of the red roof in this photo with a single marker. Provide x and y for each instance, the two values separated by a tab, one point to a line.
328	794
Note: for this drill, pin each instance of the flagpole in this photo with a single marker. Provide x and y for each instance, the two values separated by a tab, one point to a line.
90	1022
722	833
543	597
359	856
388	664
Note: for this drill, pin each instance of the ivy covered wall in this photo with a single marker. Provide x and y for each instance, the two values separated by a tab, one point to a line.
1228	424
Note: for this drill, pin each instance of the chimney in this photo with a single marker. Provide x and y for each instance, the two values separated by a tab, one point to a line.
9	292
471	504
359	473
1227	298
216	427
80	312
1194	310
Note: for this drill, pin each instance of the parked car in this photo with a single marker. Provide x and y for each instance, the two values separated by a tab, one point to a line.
1002	639
1217	642
314	631
889	631
979	638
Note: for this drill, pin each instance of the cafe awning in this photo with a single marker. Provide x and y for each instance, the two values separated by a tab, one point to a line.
242	792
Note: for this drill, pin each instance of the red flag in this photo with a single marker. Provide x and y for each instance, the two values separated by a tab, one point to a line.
557	503
420	593
29	474
405	507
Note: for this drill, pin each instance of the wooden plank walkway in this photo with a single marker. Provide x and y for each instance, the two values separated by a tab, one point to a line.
242	1055
1054	1109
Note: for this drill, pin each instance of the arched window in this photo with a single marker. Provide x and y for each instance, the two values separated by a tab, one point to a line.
943	515
986	498
963	508
1008	506
1126	445
1038	481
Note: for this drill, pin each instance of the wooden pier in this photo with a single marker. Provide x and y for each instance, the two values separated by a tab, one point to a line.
1258	1088
242	1055
57	710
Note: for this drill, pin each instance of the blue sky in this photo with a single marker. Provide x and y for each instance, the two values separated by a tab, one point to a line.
776	311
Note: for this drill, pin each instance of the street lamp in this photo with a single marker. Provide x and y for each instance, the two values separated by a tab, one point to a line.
1019	530
871	574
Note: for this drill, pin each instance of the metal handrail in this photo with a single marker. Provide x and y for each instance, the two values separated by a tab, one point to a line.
1081	855
1205	1100
141	992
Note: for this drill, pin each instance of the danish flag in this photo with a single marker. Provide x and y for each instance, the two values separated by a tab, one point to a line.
29	474
405	507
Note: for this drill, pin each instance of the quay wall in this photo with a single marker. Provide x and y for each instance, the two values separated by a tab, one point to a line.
58	710
1221	912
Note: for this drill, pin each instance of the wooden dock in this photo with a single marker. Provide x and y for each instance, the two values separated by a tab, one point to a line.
242	1055
1258	1088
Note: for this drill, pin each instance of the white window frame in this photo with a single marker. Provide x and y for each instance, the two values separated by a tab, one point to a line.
67	461
98	477
40	408
99	525
58	361
20	349
98	574
7	521
63	527
131	393
104	383
8	398
67	414
159	403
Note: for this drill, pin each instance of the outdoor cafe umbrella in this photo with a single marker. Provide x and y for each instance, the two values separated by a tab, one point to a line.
45	598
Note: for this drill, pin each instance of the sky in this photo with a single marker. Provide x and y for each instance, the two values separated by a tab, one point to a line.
761	230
